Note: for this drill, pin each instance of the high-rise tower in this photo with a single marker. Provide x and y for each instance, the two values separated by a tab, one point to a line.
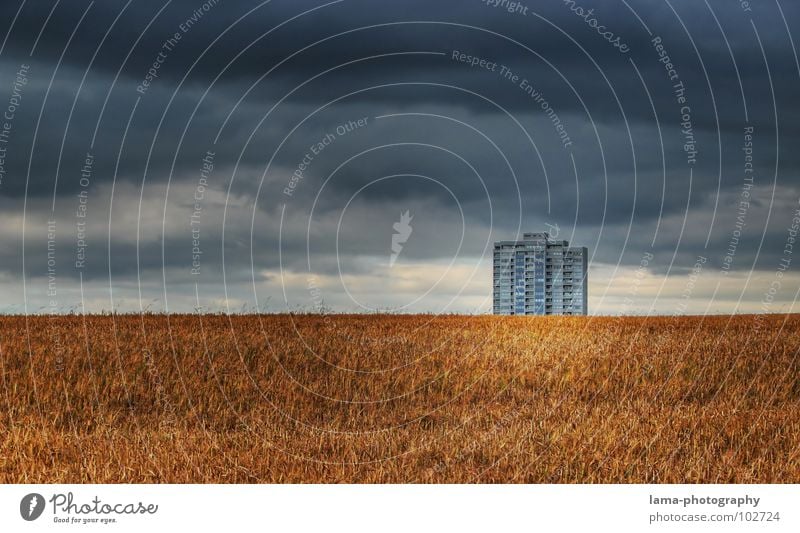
539	276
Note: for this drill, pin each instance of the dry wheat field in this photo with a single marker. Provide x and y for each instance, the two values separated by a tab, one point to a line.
384	398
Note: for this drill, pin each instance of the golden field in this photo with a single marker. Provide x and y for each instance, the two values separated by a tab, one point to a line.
384	398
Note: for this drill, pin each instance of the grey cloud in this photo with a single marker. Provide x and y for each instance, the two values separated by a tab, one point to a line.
601	106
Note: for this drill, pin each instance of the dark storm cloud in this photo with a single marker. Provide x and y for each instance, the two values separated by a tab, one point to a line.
233	67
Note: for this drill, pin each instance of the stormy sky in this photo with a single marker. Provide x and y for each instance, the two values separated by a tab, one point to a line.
240	156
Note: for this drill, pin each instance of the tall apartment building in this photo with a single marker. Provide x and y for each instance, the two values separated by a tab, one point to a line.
539	276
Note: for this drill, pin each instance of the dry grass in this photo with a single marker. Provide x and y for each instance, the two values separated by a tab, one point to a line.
399	399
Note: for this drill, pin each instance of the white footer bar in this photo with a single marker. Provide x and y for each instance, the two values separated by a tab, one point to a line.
388	508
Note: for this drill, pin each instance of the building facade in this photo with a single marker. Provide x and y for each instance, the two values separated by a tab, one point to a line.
539	276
